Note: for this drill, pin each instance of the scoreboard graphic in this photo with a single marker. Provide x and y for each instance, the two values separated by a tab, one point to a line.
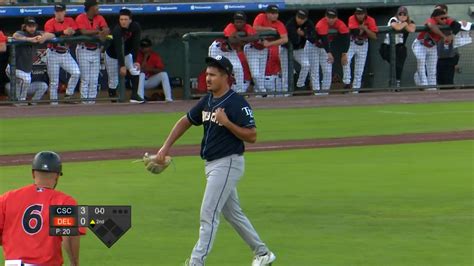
109	223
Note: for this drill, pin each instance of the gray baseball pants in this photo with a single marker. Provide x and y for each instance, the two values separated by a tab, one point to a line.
221	196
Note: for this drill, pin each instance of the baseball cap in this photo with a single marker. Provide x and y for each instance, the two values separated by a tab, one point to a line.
302	13
59	7
239	15
402	9
30	21
272	9
145	42
331	12
90	3
360	10
221	62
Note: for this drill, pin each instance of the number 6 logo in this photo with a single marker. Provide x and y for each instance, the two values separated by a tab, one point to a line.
32	220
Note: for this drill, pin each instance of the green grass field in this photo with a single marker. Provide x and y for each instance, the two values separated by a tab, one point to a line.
408	204
28	135
376	205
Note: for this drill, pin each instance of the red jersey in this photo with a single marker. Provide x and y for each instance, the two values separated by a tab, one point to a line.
273	61
430	38
153	61
245	65
97	23
56	27
323	27
24	225
230	29
3	38
354	24
262	20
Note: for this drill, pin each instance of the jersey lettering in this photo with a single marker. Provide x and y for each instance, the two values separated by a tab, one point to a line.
248	111
208	116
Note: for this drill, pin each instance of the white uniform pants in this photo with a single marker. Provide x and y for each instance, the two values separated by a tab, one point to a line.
359	53
55	61
318	57
89	64
426	59
36	91
273	84
153	82
215	50
112	67
257	60
23	83
301	56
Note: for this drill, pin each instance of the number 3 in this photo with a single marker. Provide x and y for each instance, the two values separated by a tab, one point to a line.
33	212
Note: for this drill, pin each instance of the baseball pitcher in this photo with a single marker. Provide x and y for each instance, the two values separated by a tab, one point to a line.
228	122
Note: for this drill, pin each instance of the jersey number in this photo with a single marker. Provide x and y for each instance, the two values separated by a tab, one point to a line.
32	219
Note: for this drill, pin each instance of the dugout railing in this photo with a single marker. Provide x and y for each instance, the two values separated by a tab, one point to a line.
40	66
379	75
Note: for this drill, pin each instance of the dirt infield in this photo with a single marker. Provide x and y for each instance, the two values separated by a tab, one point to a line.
257	103
186	150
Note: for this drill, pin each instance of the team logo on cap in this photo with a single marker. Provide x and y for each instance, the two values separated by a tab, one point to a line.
45	167
219	57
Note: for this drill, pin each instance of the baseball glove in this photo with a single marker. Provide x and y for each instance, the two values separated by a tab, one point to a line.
153	166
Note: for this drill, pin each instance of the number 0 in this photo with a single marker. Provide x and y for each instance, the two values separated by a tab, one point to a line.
99	210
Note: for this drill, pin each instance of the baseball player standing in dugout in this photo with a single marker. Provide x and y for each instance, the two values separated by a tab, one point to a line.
362	28
58	55
118	60
24	218
91	24
228	121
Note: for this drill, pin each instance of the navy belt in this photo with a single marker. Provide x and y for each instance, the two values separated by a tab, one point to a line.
58	51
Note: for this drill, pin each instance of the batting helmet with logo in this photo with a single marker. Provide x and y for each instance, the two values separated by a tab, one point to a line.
47	161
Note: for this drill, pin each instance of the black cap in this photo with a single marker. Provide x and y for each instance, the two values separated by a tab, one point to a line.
47	161
272	9
125	12
30	21
239	15
302	13
90	3
145	42
59	7
360	10
221	62
331	12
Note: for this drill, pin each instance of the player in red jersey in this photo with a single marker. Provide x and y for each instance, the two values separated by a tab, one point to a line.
24	217
3	42
58	55
322	51
425	47
362	27
90	23
237	34
257	53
